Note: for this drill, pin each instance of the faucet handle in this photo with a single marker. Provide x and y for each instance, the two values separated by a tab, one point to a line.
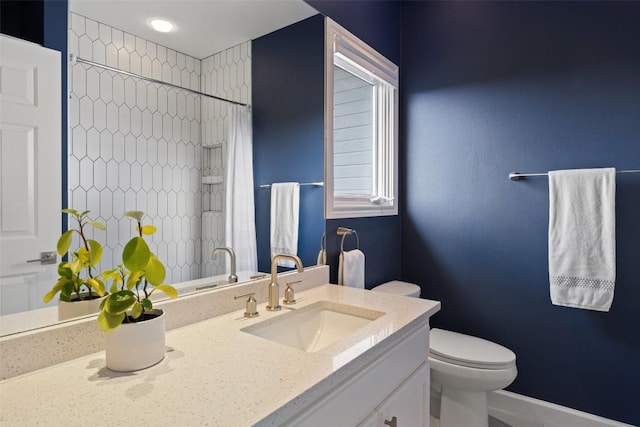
251	308
289	298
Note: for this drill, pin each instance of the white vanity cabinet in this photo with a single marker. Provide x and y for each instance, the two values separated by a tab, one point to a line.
408	405
396	384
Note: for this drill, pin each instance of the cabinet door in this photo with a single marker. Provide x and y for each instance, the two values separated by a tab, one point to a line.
372	420
408	405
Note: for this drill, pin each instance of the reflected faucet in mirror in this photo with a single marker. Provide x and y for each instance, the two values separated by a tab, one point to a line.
274	289
233	277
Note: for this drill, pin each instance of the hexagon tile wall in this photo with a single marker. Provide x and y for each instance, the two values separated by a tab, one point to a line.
228	75
136	145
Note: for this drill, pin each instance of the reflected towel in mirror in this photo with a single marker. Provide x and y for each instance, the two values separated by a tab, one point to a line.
285	212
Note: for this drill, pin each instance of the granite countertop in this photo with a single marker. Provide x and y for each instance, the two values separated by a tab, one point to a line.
213	373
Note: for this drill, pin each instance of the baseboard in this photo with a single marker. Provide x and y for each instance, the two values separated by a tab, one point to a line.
522	411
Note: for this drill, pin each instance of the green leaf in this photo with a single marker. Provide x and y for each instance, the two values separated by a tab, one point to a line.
66	291
155	271
114	287
134	278
136	254
83	255
137	215
167	289
119	302
75	266
84	213
64	270
146	303
71	212
64	242
136	310
97	286
56	288
108	321
95	253
97	225
113	274
148	230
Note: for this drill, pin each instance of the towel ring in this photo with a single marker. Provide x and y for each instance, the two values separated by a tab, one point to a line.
323	241
344	232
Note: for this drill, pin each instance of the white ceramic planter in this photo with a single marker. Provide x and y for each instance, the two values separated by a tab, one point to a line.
134	346
72	309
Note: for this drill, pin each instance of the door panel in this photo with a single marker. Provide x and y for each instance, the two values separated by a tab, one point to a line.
30	171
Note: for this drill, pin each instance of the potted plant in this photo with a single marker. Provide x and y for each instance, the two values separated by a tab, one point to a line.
80	290
134	330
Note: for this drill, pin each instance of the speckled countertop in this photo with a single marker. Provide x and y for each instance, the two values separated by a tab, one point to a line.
213	374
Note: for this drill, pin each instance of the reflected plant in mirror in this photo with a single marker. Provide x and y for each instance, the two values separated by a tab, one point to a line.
77	282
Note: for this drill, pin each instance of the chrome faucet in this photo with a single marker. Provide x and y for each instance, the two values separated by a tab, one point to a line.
233	278
274	289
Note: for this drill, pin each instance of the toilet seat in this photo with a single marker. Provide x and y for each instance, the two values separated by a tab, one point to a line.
464	350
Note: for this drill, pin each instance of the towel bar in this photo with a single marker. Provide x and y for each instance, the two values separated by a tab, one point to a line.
517	176
303	184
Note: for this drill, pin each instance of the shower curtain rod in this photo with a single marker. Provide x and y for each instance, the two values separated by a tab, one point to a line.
517	176
73	59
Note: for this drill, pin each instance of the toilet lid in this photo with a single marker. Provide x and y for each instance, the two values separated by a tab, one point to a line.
398	287
465	350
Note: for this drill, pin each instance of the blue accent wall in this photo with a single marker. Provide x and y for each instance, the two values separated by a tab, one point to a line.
378	24
494	87
22	19
288	129
55	37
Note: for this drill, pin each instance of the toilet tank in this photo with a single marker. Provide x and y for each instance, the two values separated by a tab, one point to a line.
398	287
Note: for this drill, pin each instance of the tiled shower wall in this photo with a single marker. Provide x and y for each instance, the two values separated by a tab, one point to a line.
228	75
135	145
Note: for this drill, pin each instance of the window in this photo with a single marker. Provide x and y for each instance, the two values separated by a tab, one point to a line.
361	128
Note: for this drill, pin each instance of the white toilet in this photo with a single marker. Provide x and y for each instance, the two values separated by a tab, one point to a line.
463	370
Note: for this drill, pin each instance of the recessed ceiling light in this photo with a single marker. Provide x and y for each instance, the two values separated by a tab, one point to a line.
161	25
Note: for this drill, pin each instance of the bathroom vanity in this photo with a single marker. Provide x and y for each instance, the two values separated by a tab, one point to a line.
235	371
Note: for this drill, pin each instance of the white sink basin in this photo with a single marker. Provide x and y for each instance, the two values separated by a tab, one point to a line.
315	326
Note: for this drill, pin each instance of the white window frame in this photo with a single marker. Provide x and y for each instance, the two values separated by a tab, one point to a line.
347	50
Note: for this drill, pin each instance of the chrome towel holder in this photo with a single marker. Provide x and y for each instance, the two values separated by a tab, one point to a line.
517	176
302	184
343	231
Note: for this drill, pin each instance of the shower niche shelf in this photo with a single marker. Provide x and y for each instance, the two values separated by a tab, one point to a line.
212	146
212	179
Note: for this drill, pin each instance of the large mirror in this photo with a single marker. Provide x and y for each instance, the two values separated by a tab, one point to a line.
138	145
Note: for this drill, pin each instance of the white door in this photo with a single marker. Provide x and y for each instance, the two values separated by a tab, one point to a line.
30	171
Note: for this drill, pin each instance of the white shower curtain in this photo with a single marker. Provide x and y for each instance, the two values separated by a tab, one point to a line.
240	225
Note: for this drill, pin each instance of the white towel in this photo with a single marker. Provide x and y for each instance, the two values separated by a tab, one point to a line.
351	269
582	245
285	212
322	257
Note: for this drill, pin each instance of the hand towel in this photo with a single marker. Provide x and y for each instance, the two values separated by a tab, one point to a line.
351	269
285	212
582	246
322	255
